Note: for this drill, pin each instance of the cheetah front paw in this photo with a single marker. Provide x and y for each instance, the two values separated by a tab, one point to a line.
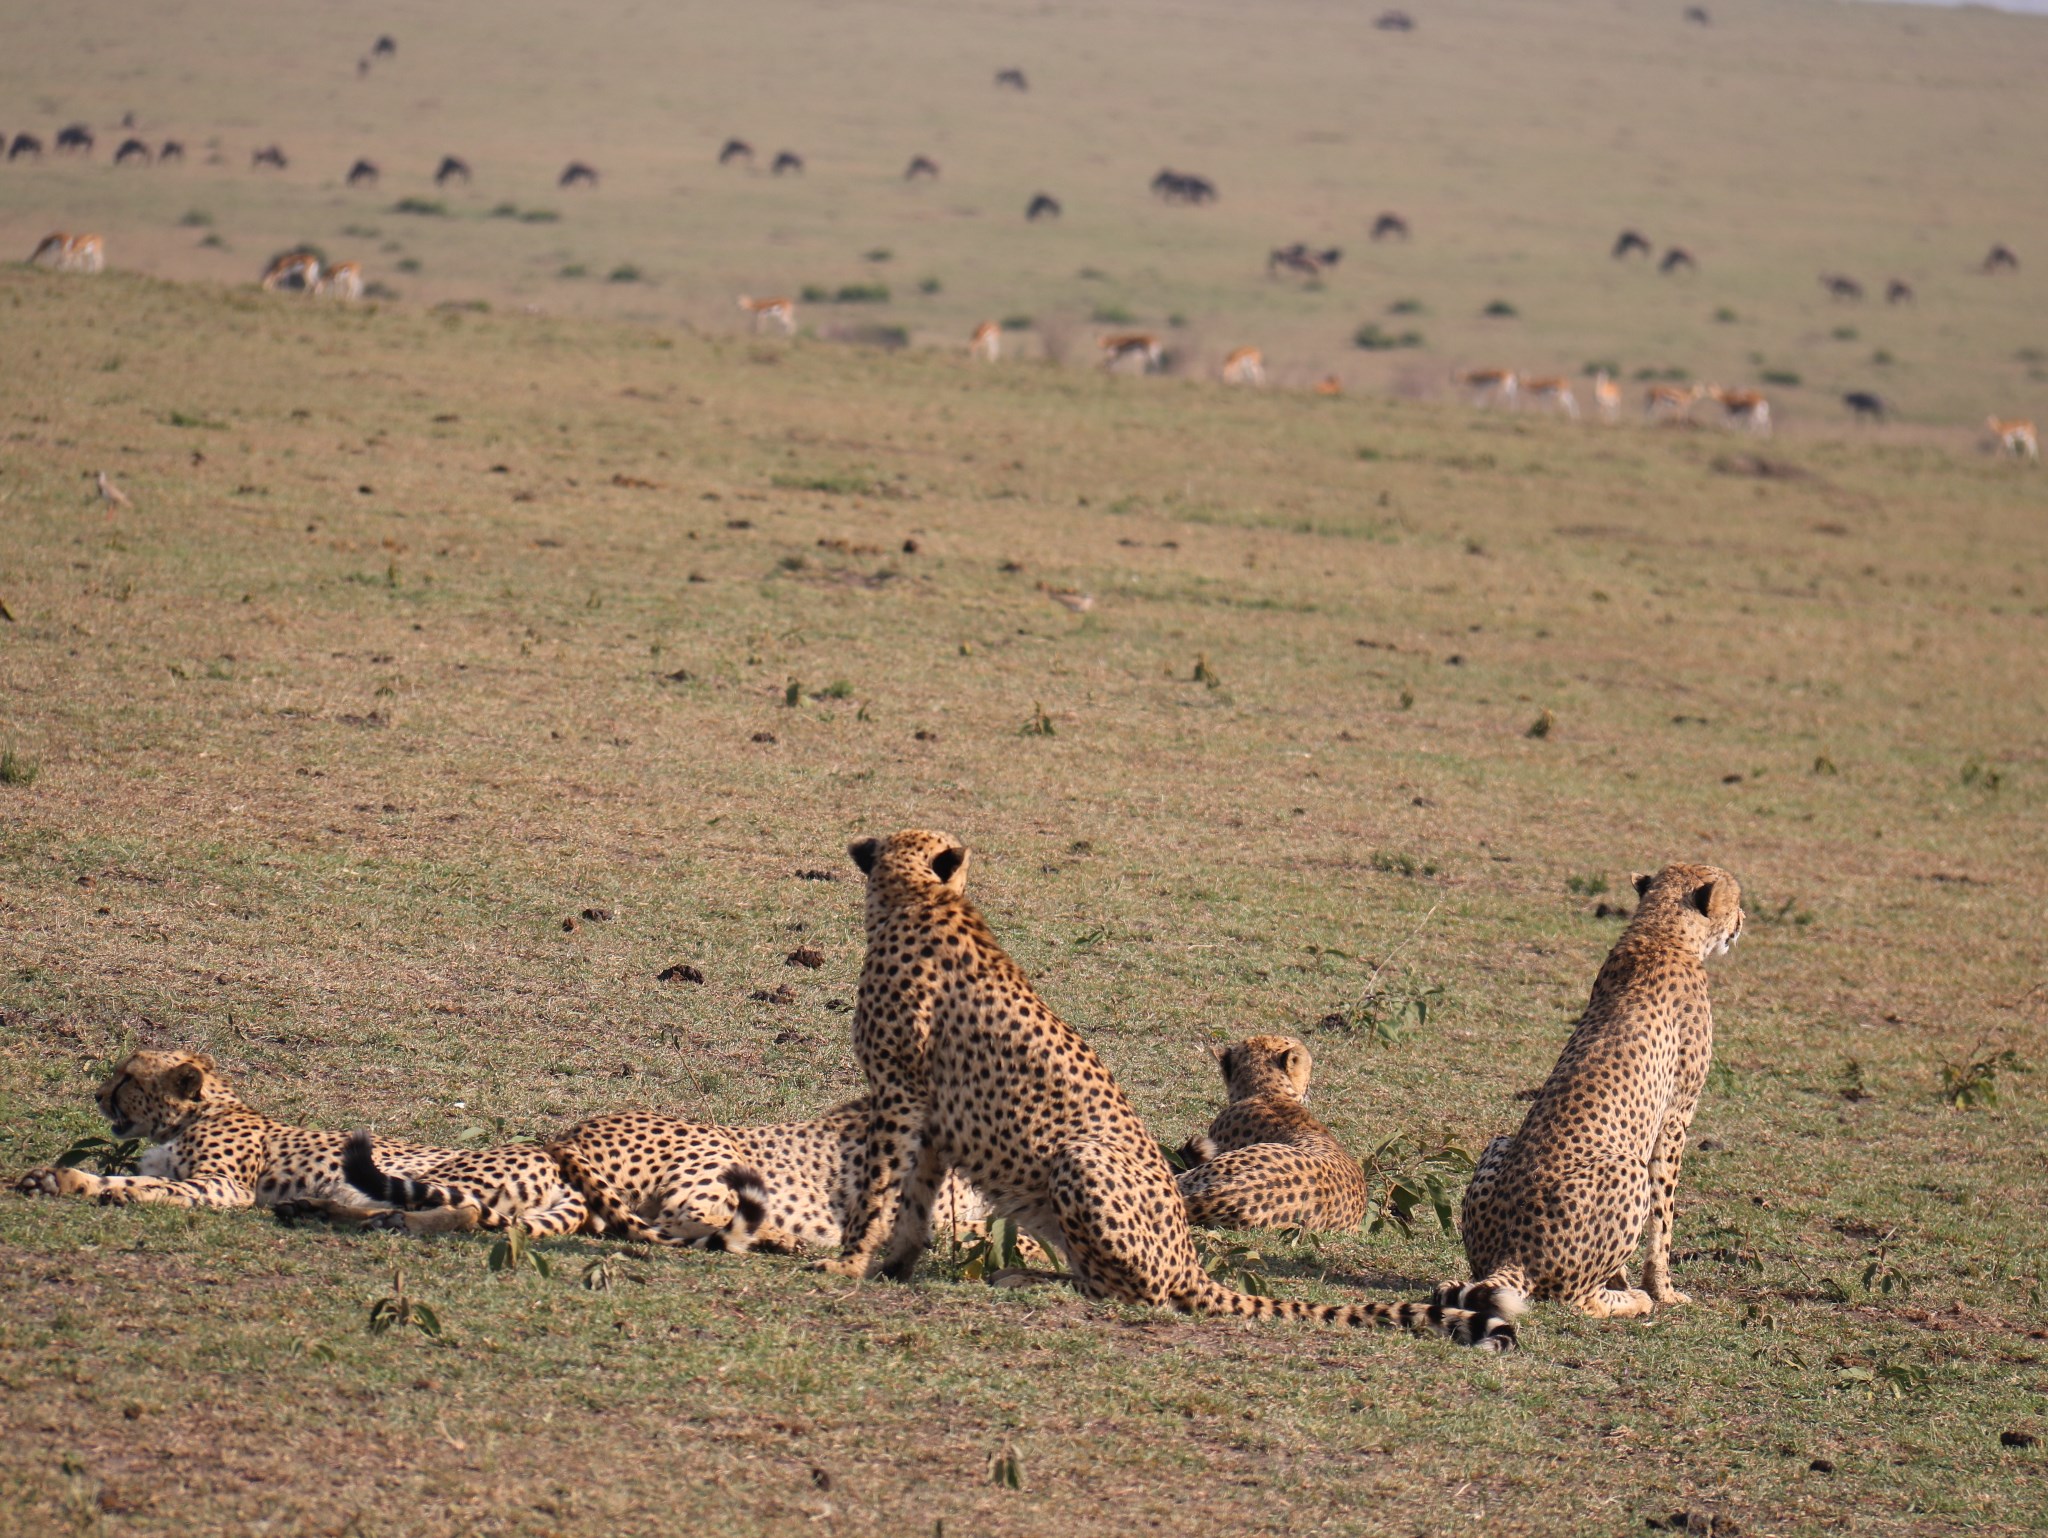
53	1180
1669	1297
389	1221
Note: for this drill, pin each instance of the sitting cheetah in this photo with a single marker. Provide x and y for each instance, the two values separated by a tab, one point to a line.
1556	1210
656	1180
211	1150
1265	1162
970	1071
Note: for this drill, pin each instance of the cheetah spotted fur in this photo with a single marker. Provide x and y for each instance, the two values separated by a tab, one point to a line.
1265	1162
969	1070
1557	1210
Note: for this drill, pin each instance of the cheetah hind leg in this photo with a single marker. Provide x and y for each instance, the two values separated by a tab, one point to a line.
1124	1224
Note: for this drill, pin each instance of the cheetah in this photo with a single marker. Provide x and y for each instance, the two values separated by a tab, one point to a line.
656	1180
1556	1211
211	1150
516	1187
969	1070
1265	1162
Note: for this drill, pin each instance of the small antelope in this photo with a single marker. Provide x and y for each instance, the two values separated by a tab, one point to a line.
1130	344
1553	390
988	342
1330	385
1744	408
1489	386
1245	366
1607	396
72	253
298	270
344	280
780	313
1663	401
2015	438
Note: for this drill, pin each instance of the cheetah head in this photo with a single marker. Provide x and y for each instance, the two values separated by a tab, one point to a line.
912	865
1703	900
152	1094
1264	1065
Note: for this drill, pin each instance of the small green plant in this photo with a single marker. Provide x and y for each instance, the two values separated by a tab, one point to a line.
1882	358
1540	727
407	264
515	1249
1374	338
396	1311
1725	316
793	694
1781	376
1602	366
1844	333
425	207
574	270
1585	886
186	419
1411	1173
1113	315
815	293
1407	307
1500	309
16	770
1006	1469
1822	764
109	1157
625	272
1973	1082
1391	862
862	293
930	285
838	689
1238	1266
1176	320
879	254
1386	1012
1406	700
1039	724
196	219
996	1248
1982	776
1015	322
1852	1083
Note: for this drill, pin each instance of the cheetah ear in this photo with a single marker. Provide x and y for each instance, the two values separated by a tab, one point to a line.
948	861
1218	1050
1641	882
864	852
188	1081
1702	897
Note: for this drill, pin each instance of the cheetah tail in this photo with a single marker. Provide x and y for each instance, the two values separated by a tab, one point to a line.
1483	1317
360	1169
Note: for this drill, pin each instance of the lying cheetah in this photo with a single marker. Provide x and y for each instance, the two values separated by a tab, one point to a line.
969	1070
516	1187
656	1180
211	1150
1265	1162
1556	1210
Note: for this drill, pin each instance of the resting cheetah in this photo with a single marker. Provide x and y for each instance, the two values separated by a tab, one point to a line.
657	1180
517	1187
1265	1162
1556	1210
211	1150
969	1070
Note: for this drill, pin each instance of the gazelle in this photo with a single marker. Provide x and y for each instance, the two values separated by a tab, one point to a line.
1607	396
780	313
1130	344
1661	401
1489	386
2015	438
1330	385
295	270
1553	390
73	253
344	280
988	342
1744	408
1245	366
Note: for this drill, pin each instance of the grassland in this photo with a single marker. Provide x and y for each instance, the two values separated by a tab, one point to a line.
429	631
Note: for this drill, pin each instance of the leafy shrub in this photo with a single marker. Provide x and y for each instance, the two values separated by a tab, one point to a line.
1780	376
1372	338
197	219
862	293
408	264
625	272
505	211
1845	333
1113	315
1500	309
574	270
540	216
430	207
1016	322
879	254
929	285
1725	316
1407	307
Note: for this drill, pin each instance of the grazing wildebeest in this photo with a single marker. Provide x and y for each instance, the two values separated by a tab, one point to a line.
1043	206
920	166
174	149
1388	225
1298	258
1697	15
132	149
787	160
1395	21
1013	78
1840	287
1629	242
269	155
25	144
450	168
576	173
2000	259
736	149
386	47
1676	258
1176	187
1898	291
363	171
75	137
1862	404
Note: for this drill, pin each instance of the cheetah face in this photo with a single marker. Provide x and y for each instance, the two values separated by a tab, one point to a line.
152	1093
1264	1065
1703	900
912	864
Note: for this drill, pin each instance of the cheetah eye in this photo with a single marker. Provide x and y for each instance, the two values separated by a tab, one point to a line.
947	861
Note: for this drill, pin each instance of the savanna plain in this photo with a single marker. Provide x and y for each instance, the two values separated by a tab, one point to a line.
471	657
